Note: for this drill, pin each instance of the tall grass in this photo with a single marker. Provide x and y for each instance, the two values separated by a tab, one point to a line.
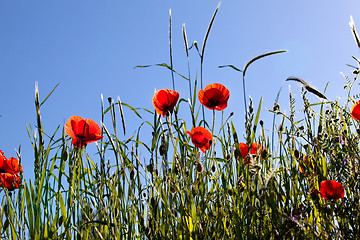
166	188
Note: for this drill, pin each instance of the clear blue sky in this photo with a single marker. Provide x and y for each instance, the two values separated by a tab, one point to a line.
91	47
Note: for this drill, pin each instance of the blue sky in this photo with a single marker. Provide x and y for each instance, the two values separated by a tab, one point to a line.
91	48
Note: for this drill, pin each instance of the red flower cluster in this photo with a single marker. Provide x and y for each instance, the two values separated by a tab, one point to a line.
9	172
214	96
330	189
201	138
83	131
164	101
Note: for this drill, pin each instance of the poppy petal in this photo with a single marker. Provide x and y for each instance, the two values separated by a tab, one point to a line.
10	181
72	122
355	111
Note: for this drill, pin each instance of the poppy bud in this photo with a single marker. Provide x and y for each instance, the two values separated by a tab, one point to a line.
132	174
199	168
162	150
150	168
296	154
281	128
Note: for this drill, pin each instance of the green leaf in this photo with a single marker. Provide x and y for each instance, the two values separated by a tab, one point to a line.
259	57
49	95
231	66
256	120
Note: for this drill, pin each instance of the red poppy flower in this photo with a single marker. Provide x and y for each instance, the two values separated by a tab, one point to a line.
214	96
10	181
10	165
330	189
201	138
165	100
244	150
83	131
355	111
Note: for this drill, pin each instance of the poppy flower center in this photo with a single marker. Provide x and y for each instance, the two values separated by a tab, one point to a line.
214	96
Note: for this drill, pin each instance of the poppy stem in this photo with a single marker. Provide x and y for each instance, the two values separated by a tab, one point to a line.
171	57
201	83
244	93
171	132
213	123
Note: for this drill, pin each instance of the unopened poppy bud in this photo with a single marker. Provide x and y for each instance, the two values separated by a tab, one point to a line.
261	123
132	174
199	168
229	191
276	107
296	154
162	150
150	168
64	155
264	154
109	100
281	128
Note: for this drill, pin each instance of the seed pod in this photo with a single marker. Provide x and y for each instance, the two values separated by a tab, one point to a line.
150	168
296	154
162	150
132	174
199	168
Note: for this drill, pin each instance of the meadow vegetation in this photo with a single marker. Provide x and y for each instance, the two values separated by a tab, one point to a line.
193	179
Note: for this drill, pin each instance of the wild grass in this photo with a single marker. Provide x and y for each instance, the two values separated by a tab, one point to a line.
166	188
